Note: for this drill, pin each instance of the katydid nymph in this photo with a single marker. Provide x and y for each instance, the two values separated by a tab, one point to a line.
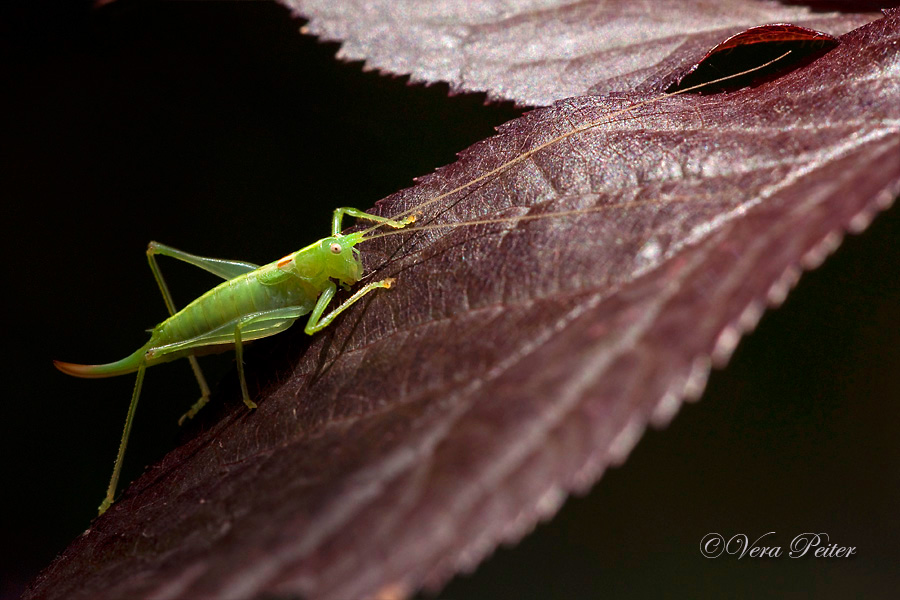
258	301
254	302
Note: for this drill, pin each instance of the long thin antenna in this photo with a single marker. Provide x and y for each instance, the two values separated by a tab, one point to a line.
580	129
493	220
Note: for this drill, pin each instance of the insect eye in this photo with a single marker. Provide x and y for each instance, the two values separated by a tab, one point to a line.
335	248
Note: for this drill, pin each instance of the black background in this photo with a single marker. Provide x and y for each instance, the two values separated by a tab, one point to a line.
219	129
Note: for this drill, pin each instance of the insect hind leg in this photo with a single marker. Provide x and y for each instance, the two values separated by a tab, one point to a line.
154	248
117	469
195	408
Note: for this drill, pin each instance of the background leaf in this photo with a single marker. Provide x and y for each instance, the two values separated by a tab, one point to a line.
536	52
734	208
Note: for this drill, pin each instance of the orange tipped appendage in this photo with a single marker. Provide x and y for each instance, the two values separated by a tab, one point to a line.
128	364
86	371
96	371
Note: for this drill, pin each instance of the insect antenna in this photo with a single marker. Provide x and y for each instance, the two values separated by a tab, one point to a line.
529	153
512	219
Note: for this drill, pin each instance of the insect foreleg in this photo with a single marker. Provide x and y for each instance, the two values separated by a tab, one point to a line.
339	214
114	480
317	322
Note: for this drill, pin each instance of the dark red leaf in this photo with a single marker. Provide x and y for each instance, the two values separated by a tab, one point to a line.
787	46
779	32
846	5
513	362
534	55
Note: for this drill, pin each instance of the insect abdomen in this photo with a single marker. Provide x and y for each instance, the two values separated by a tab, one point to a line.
228	302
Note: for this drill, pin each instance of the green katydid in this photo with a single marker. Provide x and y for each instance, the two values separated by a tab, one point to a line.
254	302
258	301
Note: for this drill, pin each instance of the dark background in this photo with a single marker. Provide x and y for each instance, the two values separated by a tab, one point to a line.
217	128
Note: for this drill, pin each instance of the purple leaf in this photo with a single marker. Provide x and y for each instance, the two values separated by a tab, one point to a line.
787	46
845	5
514	361
535	53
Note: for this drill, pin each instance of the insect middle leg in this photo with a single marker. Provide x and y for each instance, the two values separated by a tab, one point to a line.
265	323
